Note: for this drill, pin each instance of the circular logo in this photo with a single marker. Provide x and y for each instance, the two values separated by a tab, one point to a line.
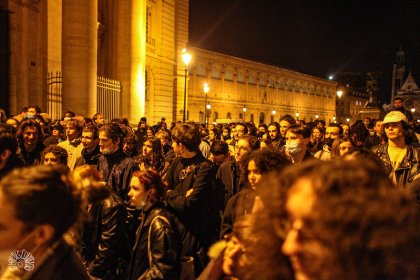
22	259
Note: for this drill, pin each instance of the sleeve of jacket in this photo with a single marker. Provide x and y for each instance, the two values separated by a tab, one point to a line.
202	186
164	246
113	233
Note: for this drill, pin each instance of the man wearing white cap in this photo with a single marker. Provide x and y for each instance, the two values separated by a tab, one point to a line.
399	156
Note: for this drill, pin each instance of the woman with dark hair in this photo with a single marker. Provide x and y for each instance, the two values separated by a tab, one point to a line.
152	157
246	201
156	253
317	140
30	138
214	134
342	146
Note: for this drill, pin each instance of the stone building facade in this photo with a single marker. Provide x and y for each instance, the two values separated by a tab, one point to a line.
138	44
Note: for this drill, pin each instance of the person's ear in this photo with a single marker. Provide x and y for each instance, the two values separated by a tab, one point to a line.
44	233
5	155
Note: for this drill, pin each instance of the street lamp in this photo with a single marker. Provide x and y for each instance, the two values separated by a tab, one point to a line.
186	58
297	115
208	107
244	109
339	94
316	116
334	119
348	120
206	89
274	112
413	110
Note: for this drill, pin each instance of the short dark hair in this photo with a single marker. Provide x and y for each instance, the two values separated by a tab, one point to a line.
36	107
92	128
43	195
297	129
253	141
291	120
188	135
114	132
398	98
219	147
58	152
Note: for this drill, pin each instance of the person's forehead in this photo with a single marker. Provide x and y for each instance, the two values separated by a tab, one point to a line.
284	123
50	155
240	127
292	134
272	128
242	142
103	135
31	129
332	129
87	133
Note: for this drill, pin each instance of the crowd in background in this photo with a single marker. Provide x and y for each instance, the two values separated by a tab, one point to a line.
91	199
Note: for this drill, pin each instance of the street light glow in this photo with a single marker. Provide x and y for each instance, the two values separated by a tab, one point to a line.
208	106
413	110
244	108
339	93
206	88
186	57
274	111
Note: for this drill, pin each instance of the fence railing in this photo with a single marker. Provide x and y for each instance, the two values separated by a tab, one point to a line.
54	85
108	94
108	97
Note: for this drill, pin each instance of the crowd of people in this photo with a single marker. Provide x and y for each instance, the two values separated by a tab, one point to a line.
90	199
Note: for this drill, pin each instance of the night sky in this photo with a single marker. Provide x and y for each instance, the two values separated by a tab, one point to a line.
320	37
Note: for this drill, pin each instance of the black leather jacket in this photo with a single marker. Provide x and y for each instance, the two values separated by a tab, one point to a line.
409	167
165	246
104	239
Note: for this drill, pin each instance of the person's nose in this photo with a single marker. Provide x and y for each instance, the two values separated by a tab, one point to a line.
291	245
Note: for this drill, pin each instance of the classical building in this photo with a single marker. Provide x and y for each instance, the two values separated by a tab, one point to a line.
404	85
123	58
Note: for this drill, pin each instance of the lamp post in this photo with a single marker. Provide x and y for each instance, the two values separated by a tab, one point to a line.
208	107
339	94
206	89
244	109
316	116
274	112
297	115
186	58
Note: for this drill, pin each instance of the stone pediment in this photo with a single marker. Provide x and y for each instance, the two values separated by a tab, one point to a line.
409	85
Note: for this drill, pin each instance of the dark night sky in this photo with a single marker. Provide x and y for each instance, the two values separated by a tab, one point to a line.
318	37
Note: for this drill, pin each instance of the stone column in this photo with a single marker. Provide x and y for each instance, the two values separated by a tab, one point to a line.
79	56
138	60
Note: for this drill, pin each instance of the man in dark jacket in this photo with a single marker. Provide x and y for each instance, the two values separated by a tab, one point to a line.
90	142
228	177
116	167
191	196
399	156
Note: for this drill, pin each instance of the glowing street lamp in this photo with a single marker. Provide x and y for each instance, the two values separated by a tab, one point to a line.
186	58
297	115
413	110
244	109
206	89
274	112
339	94
316	116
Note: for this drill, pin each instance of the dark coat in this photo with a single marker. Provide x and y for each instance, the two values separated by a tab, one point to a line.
104	239
197	212
237	206
62	264
165	246
228	181
117	170
409	167
31	158
90	158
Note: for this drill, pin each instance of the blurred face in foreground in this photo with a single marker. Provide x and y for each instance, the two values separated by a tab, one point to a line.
298	246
